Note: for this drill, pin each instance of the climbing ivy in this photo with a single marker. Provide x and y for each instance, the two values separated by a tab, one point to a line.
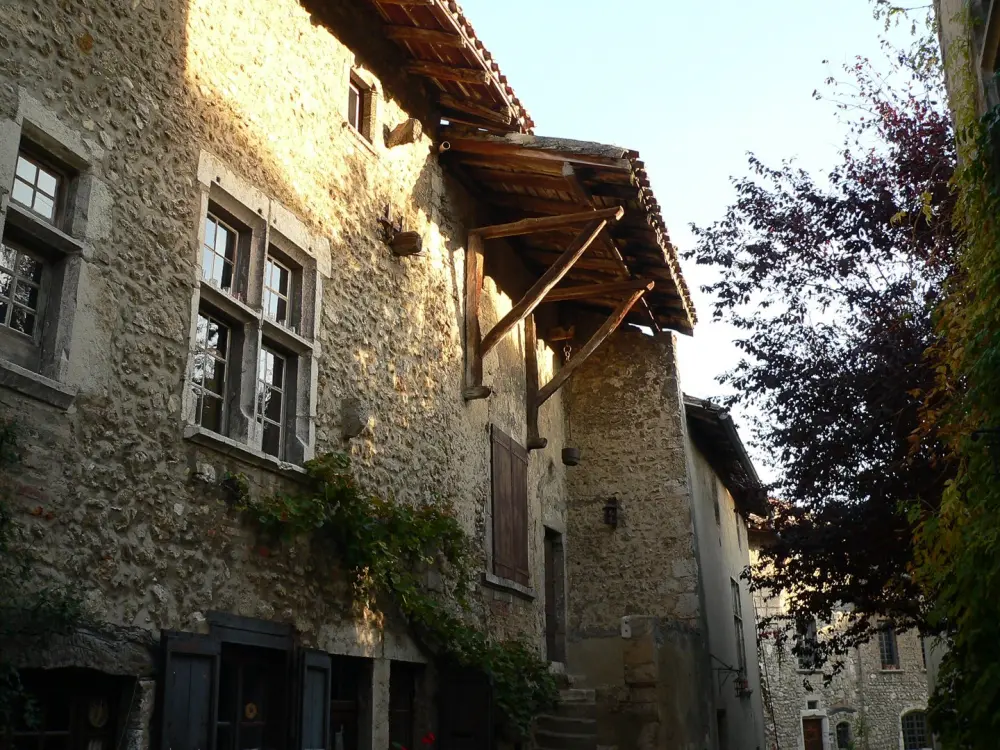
957	550
419	558
32	614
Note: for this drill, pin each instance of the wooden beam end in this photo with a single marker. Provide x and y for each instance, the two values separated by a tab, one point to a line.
537	443
476	392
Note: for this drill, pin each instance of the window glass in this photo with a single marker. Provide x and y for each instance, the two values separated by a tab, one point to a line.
807	641
20	289
915	731
887	647
843	735
354	103
402	687
35	187
251	689
271	400
277	290
344	698
74	709
218	262
208	377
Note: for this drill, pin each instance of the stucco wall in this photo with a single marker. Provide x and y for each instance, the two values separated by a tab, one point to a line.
132	514
650	669
723	554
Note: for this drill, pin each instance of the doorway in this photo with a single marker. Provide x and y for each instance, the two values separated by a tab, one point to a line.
555	596
812	733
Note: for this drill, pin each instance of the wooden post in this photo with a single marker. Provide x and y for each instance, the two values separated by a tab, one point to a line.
595	341
540	288
531	380
474	387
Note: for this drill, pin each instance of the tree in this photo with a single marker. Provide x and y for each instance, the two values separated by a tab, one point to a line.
833	283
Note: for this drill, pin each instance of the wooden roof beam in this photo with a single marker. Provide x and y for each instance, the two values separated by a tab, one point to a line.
549	223
447	72
534	296
425	36
426	3
587	291
478	110
606	329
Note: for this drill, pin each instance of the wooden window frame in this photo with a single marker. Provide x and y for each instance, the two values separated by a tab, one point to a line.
907	732
63	176
509	475
226	360
808	638
361	118
741	647
293	302
285	393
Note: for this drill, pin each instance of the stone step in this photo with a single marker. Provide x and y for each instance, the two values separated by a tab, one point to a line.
567	724
578	710
577	695
563	741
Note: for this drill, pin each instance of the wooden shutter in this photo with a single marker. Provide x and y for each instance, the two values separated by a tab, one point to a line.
519	512
315	709
510	508
190	691
465	710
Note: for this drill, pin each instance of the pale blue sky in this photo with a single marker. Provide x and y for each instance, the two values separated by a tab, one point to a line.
693	86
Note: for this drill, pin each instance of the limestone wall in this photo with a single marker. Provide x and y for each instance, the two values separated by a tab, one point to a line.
635	627
130	510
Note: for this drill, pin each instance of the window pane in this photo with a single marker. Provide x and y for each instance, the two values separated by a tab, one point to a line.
22	193
271	443
211	413
215	375
22	320
282	280
6	284
26	170
8	257
226	276
210	226
27	295
47	183
354	106
45	206
272	405
29	268
281	315
207	264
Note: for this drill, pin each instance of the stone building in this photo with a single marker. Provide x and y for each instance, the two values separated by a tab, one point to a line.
878	701
237	235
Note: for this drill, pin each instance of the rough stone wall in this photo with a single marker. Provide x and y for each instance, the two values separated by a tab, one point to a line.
132	513
651	668
871	699
723	554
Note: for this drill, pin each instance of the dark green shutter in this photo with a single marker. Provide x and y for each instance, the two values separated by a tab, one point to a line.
190	688
315	710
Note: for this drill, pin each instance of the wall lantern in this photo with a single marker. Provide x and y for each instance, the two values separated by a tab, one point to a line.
570	456
611	512
401	243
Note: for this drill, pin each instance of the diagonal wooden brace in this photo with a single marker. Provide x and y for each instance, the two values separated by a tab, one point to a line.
534	296
606	329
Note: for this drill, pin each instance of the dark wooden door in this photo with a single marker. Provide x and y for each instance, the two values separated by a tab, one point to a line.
812	732
551	624
465	710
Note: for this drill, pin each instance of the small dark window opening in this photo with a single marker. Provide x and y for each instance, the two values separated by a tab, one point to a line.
360	100
348	679
402	693
843	735
915	735
808	644
68	709
888	650
812	705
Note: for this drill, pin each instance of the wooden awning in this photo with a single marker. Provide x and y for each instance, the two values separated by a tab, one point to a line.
521	176
443	49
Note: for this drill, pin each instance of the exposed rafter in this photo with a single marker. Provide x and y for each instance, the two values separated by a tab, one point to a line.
547	223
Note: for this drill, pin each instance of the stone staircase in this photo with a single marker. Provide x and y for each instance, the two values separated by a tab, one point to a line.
571	725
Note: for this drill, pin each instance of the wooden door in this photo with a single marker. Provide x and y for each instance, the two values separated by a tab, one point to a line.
465	710
812	732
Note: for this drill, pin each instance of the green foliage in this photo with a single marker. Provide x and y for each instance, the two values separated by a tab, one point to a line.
35	613
957	560
422	559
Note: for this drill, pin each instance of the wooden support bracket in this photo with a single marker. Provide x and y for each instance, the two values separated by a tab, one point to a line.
474	388
425	36
534	296
535	442
447	72
589	291
590	347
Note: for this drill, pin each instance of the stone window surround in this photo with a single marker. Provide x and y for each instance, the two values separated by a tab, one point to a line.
68	242
274	225
815	713
909	708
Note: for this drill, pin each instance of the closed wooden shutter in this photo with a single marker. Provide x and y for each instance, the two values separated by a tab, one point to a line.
315	726
510	508
190	689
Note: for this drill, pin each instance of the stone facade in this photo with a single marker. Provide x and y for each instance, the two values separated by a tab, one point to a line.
870	699
156	111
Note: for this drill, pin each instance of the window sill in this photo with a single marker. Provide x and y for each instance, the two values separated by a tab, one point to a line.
891	670
228	303
360	139
492	581
36	386
286	337
252	456
39	229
